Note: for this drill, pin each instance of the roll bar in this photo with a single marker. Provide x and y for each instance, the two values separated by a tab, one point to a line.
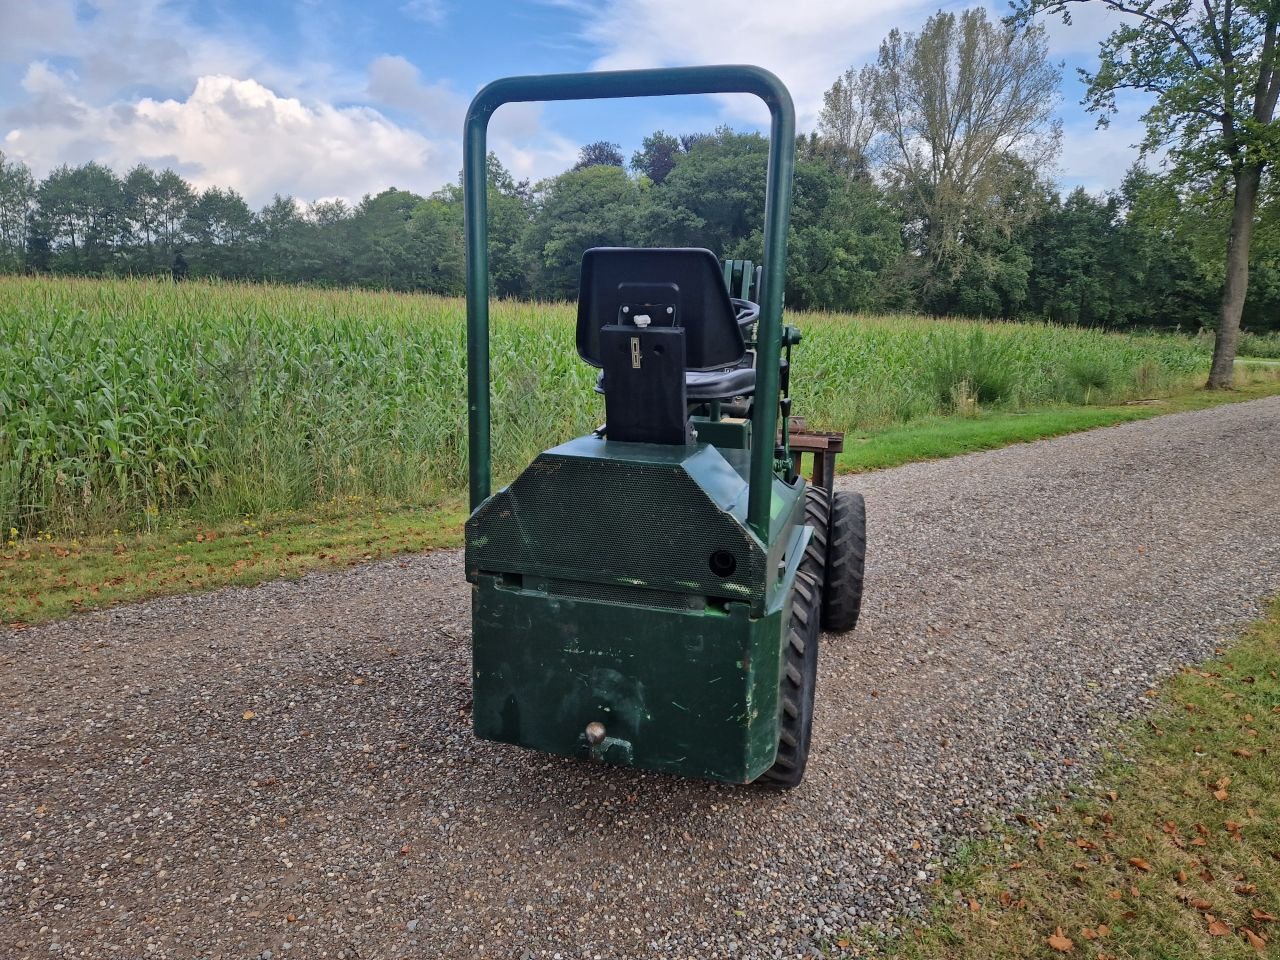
635	83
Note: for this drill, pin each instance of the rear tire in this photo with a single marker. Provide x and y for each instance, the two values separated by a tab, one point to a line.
846	558
797	685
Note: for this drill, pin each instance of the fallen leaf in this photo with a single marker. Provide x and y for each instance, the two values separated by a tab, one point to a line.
1221	795
1247	889
1140	864
1200	904
1260	914
1217	928
1181	876
1060	943
1103	929
248	714
1088	933
1242	753
974	906
1115	894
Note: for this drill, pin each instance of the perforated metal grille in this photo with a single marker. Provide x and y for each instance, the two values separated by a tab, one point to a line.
636	524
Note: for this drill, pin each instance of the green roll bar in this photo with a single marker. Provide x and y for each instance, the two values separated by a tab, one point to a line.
635	83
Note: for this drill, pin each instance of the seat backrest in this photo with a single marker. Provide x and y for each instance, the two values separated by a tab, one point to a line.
681	287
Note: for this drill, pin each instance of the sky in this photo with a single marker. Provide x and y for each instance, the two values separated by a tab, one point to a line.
321	100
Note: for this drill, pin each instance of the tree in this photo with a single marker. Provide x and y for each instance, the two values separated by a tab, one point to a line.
221	227
174	199
657	156
954	103
1211	68
602	153
80	211
280	230
17	201
714	197
846	123
598	206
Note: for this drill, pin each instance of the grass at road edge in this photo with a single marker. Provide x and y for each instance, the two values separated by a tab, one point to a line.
939	437
46	578
1172	852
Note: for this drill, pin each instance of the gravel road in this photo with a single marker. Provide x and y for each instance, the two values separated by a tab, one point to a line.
288	771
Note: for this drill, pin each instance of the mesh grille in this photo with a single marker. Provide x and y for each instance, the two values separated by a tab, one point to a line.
614	520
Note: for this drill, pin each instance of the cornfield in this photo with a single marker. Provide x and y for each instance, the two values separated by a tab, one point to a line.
123	401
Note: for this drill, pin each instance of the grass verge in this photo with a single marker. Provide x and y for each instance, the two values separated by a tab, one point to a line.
45	577
938	437
1173	854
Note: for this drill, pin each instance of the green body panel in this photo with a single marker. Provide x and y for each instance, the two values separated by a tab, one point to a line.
594	599
635	515
689	692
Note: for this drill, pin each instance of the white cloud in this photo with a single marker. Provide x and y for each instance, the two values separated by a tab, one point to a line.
240	134
517	132
809	43
395	82
230	115
35	29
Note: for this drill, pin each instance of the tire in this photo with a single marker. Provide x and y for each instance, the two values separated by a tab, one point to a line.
846	557
817	514
796	686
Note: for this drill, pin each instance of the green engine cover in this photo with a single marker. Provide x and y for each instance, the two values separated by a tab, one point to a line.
618	583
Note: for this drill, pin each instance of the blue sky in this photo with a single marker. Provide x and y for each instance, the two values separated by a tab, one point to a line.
338	99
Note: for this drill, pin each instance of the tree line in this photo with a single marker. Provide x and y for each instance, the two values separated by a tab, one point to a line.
926	187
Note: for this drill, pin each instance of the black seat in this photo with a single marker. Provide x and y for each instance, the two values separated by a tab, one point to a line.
668	287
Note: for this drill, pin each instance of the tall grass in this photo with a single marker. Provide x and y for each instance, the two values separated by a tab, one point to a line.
1263	345
123	400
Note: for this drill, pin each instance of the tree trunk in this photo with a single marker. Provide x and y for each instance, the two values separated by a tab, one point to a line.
1222	373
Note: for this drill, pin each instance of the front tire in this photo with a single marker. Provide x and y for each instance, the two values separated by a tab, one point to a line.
797	685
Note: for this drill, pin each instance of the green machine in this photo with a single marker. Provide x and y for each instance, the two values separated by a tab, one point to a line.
650	595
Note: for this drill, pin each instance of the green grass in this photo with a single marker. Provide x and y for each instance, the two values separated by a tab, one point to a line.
1263	345
46	577
125	403
1173	852
937	437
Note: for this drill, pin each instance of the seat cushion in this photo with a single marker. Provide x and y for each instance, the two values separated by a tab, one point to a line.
711	384
720	384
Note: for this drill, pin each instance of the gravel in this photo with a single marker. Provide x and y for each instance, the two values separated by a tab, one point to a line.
288	770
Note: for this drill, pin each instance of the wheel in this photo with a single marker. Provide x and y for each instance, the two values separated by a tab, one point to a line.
817	514
846	555
796	687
